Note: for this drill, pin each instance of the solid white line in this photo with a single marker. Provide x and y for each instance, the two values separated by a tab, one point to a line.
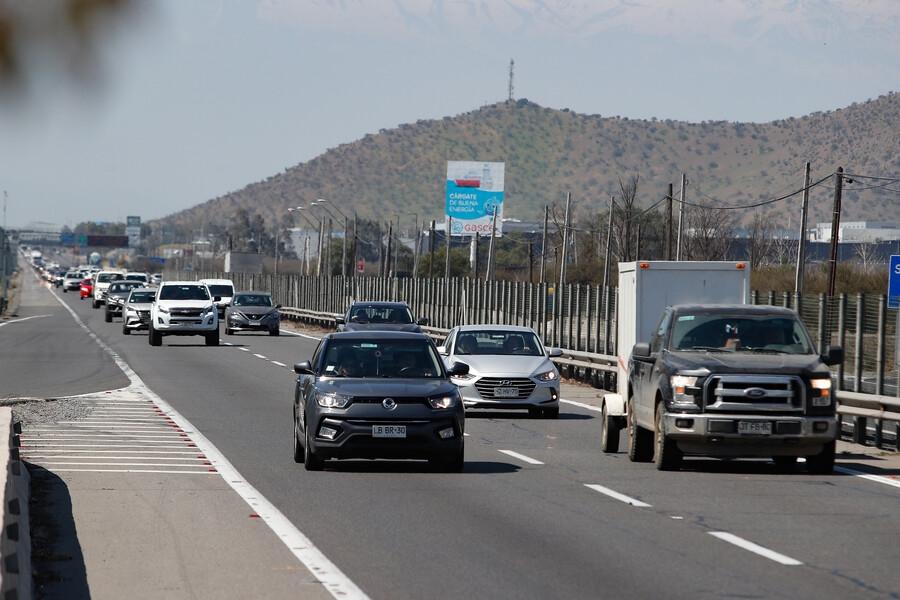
617	495
581	405
522	457
338	585
755	548
210	472
870	477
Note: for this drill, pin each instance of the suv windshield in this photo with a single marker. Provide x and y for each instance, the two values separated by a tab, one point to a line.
381	359
183	292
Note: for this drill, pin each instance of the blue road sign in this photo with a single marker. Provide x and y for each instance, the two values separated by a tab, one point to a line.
894	283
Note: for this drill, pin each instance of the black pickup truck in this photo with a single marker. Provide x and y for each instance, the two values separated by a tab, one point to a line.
732	380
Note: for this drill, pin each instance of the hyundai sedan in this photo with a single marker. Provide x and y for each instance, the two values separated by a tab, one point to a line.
509	368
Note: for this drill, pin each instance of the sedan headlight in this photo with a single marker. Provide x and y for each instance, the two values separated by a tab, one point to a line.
332	400
550	375
440	402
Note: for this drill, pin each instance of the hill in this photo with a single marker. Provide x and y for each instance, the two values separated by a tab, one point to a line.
549	153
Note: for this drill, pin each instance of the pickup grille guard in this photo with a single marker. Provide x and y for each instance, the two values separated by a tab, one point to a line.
754	393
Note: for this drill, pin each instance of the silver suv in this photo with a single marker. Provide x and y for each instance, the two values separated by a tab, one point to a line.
184	308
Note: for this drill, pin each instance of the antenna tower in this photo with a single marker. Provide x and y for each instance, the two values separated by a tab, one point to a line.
511	65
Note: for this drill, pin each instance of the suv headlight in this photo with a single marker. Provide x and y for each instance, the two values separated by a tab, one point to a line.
550	375
332	400
446	401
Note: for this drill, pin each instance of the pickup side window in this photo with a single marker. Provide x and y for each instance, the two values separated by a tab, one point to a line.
657	340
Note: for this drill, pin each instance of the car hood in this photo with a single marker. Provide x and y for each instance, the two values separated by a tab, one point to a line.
185	303
747	362
387	386
253	310
508	366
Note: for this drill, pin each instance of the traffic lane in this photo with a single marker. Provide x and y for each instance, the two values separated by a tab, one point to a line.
525	430
46	353
793	514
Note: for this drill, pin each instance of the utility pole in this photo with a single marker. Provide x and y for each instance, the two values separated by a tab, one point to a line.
565	249
801	246
612	206
669	223
511	65
544	242
431	251
679	249
447	257
387	260
835	226
489	274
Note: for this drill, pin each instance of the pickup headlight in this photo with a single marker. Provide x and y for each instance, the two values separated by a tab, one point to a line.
332	400
162	308
823	387
683	388
209	310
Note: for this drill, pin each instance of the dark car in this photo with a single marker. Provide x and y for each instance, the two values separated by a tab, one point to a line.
378	395
116	294
385	316
253	311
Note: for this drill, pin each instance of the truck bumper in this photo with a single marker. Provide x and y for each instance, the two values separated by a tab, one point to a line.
721	435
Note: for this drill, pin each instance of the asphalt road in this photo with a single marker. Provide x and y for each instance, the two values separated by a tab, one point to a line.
539	511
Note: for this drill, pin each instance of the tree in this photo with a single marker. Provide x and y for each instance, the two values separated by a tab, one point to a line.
710	233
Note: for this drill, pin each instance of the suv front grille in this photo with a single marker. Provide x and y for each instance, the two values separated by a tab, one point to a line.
750	392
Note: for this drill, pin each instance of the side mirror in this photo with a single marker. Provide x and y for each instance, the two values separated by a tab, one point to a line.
277	306
458	368
339	320
833	355
303	368
554	352
641	352
422	321
443	350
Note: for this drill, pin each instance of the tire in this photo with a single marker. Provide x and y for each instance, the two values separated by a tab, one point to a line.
95	304
154	337
823	462
609	432
453	464
107	315
550	413
274	332
535	413
667	456
229	331
640	441
299	455
125	330
310	460
212	338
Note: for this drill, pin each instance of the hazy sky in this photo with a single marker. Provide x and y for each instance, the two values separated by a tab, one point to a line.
195	99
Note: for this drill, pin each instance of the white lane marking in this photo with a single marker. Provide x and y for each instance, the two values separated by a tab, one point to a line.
617	495
333	579
869	476
756	548
261	356
22	319
582	405
522	457
278	364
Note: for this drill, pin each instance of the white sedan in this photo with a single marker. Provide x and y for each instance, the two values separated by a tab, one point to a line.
509	368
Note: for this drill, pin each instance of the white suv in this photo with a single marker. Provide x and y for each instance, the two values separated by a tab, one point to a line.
184	308
224	289
101	284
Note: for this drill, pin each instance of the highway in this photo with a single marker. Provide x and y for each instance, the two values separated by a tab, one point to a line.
539	511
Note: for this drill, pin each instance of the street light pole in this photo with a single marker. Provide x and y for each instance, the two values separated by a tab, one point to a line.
315	227
325	204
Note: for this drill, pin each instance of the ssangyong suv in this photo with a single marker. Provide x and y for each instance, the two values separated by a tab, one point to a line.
378	394
183	308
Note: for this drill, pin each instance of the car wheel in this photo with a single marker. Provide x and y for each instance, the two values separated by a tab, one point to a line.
95	304
299	454
107	316
551	413
212	338
452	464
154	337
125	330
640	441
823	462
310	460
275	332
609	432
534	413
229	331
667	455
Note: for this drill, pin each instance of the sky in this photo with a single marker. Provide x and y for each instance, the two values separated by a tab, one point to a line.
188	100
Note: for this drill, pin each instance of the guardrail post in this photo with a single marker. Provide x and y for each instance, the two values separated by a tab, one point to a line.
859	430
879	440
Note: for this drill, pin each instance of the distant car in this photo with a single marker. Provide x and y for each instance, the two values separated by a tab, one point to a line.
72	281
253	311
136	309
377	394
87	288
224	289
138	276
116	294
509	368
384	316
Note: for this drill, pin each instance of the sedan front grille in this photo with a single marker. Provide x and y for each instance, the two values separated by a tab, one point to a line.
487	386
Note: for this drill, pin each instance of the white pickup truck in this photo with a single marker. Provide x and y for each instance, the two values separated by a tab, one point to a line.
184	308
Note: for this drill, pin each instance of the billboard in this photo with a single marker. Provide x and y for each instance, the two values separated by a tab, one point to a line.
474	190
133	231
